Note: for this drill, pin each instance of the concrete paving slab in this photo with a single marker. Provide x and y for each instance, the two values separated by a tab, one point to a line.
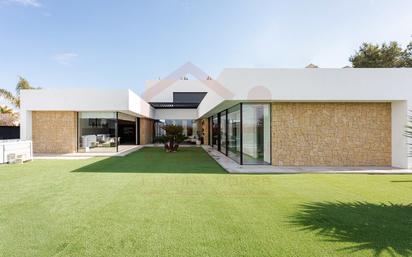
233	167
80	156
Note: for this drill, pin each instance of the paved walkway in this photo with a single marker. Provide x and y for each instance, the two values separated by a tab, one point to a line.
80	156
162	145
233	167
123	151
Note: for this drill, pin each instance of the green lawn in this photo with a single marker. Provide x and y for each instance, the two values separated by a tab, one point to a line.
153	203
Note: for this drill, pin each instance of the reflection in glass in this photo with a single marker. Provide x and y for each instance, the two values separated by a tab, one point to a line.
189	129
97	132
256	133
215	132
233	131
223	132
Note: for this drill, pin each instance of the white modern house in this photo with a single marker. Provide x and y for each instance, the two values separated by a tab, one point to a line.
281	117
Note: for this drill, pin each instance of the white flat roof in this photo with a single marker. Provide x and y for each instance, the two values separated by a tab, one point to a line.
235	85
79	99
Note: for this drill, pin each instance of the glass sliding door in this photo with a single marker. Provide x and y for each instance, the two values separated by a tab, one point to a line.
223	132
256	133
215	131
97	132
234	133
243	133
126	129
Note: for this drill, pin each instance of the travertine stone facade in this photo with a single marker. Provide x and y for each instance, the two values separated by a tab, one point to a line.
146	131
205	131
331	134
54	132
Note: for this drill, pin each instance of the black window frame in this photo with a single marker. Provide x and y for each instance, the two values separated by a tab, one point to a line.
226	111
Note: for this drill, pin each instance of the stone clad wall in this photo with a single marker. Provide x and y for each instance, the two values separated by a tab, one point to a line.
54	132
331	134
205	131
146	131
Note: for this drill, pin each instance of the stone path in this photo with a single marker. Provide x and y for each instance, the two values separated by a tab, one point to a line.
233	167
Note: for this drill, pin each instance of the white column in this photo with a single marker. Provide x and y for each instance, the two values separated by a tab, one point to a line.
25	125
399	141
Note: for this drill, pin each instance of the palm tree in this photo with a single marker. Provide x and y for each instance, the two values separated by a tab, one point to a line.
5	110
15	99
8	117
7	95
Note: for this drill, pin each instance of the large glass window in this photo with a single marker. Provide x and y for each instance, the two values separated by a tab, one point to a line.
215	131
97	132
233	131
223	132
189	129
243	133
256	133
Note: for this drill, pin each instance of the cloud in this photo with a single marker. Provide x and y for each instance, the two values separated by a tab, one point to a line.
65	58
28	3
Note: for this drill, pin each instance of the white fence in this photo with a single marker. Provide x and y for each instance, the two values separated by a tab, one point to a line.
15	151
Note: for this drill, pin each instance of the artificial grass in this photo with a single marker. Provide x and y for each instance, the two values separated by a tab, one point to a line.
152	203
156	160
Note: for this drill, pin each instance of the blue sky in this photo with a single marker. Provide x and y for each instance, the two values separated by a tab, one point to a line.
120	44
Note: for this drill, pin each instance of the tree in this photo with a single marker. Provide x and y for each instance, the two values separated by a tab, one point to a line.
174	136
15	99
8	117
408	55
5	110
390	55
7	95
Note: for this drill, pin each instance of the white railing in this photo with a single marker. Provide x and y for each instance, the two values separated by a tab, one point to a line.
15	151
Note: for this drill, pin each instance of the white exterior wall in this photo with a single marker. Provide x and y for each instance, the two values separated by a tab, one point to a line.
311	85
320	85
176	114
399	141
74	100
120	100
138	106
25	125
85	100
